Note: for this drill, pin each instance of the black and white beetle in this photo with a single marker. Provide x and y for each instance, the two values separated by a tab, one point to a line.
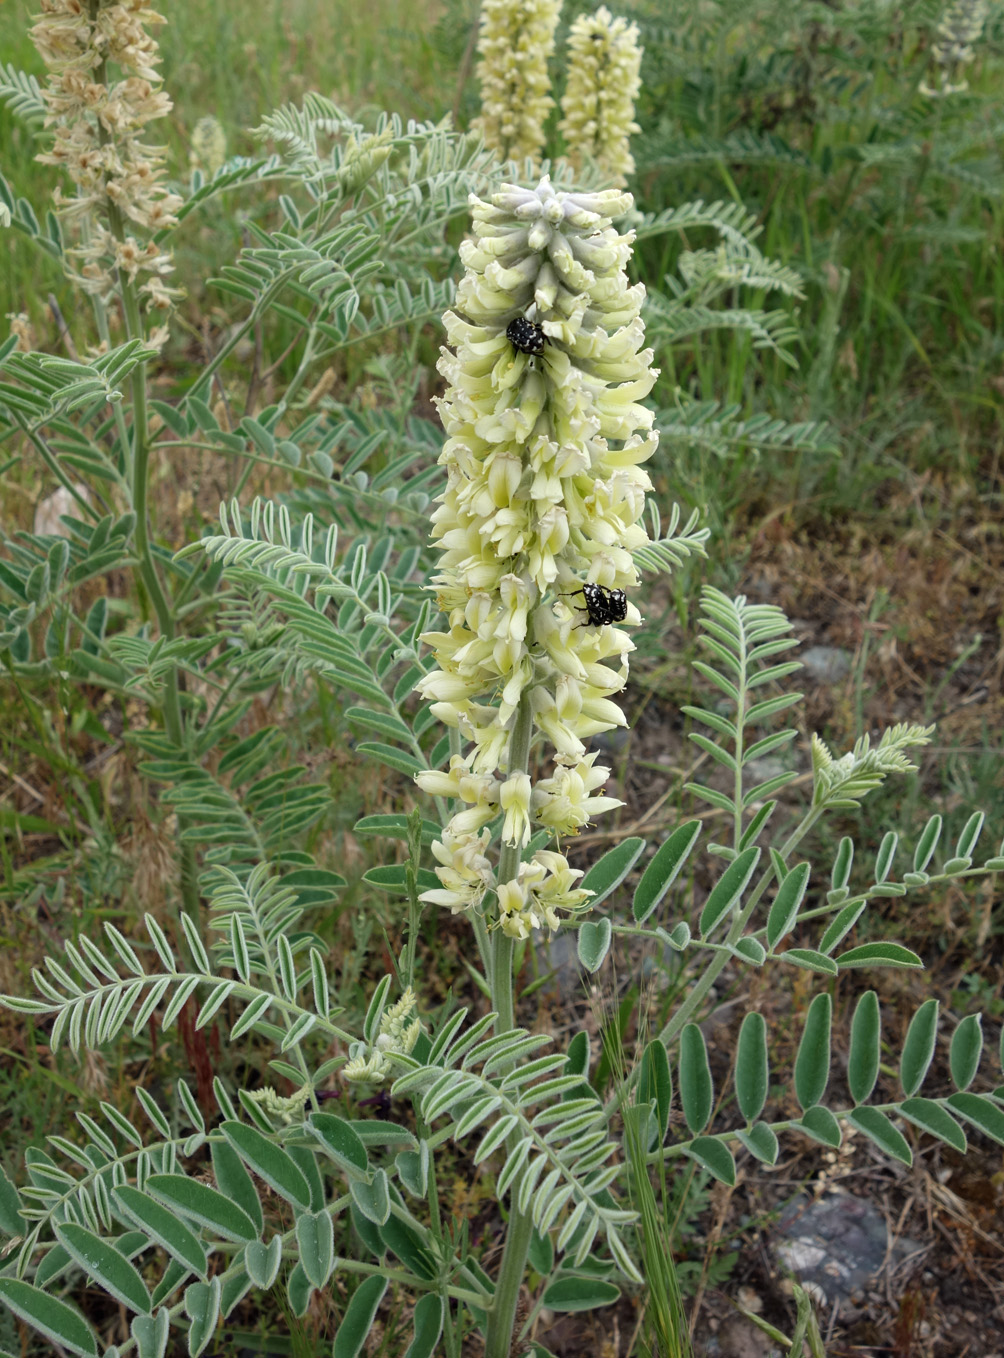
603	605
526	337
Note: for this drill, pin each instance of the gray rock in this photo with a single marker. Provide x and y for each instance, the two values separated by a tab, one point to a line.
49	513
826	664
613	741
560	954
838	1244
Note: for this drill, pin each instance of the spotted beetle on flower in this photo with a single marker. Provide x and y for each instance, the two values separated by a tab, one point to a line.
525	336
603	606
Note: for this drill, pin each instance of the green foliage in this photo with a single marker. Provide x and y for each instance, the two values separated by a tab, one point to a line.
811	122
742	637
178	1218
703	297
214	650
21	92
531	1114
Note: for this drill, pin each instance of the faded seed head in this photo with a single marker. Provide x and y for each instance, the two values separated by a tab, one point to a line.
98	121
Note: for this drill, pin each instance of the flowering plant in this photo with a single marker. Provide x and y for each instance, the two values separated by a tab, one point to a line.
542	504
544	455
179	1209
515	42
604	78
954	48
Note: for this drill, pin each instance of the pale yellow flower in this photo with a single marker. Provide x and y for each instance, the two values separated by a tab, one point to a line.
514	797
546	434
954	48
515	42
566	801
209	146
544	885
464	872
604	66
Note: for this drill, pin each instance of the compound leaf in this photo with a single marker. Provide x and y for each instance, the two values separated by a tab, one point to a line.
714	1156
752	1069
965	1051
663	870
204	1205
103	1263
866	1047
428	1323
878	1128
918	1049
580	1294
269	1161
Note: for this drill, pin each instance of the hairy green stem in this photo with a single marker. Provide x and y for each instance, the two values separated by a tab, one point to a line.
502	1316
137	475
140	483
500	976
52	463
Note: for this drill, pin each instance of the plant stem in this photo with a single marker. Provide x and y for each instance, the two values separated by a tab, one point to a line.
52	463
137	475
502	1316
140	482
500	977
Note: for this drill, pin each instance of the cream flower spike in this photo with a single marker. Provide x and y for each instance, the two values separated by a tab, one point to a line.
515	42
604	66
536	530
954	48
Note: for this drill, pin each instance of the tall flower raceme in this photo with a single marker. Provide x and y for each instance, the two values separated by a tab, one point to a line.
604	77
514	45
546	437
103	90
959	29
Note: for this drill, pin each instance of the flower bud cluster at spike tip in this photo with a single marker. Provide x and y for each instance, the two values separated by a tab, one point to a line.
515	42
604	66
398	1034
536	531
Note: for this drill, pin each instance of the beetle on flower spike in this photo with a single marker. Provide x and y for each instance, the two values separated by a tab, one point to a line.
526	337
602	605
